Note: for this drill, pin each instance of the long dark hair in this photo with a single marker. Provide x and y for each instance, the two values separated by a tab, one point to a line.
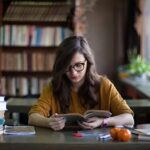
62	85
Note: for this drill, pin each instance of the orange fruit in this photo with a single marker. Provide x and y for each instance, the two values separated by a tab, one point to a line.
114	133
120	134
124	135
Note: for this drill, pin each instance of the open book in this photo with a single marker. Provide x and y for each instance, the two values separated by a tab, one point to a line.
19	130
143	131
75	117
143	134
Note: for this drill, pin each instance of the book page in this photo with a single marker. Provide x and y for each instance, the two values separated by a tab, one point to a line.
77	117
97	113
2	103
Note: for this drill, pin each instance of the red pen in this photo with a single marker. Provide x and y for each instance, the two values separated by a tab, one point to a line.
77	135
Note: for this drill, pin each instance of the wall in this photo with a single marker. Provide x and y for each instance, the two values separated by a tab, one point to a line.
105	24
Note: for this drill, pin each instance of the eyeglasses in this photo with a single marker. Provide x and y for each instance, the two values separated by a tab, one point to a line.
77	67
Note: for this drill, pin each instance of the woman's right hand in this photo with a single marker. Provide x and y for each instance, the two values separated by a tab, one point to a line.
56	123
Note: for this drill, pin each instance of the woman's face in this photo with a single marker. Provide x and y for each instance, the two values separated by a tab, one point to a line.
77	68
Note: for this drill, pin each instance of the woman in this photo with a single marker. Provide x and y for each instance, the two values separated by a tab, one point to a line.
76	87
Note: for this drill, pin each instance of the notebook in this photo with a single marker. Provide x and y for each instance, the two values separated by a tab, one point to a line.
19	130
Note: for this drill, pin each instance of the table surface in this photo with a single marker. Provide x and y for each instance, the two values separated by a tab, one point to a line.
47	139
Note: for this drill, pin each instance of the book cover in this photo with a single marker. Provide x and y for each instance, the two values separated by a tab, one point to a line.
19	130
75	117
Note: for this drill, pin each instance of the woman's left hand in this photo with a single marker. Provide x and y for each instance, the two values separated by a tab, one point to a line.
91	123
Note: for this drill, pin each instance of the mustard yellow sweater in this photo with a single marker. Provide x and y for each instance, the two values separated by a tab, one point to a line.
110	100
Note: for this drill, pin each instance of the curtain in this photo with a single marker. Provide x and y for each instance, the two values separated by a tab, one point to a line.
146	31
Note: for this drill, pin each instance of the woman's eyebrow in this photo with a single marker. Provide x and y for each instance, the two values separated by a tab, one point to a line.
78	62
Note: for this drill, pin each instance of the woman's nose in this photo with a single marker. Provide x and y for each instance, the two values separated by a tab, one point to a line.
73	71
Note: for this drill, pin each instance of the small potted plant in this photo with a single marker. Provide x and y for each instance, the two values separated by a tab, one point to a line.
137	65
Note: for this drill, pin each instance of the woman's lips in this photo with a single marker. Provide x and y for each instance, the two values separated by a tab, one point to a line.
73	78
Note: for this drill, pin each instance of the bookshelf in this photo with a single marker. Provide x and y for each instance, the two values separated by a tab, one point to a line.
30	32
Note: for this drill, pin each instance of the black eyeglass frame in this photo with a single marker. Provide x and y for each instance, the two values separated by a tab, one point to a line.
69	68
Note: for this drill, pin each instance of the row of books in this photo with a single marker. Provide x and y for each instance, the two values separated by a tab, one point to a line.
21	86
37	11
22	61
30	35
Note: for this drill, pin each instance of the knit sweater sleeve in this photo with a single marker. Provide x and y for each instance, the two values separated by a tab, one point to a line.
111	99
46	104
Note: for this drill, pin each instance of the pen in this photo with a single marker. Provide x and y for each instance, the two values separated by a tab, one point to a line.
85	135
104	136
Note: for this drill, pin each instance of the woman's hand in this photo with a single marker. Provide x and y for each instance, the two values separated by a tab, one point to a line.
91	123
56	123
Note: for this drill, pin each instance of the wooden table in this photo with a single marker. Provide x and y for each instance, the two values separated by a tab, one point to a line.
45	139
139	105
19	108
136	88
20	105
141	109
